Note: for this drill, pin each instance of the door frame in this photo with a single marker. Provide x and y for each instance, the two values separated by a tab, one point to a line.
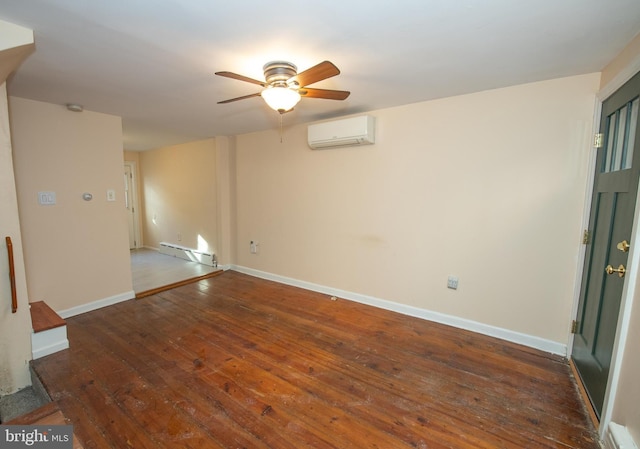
633	261
135	203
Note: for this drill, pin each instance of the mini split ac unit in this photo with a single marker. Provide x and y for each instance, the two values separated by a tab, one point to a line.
342	133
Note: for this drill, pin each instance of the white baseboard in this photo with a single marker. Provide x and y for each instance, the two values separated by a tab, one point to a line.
49	341
618	437
461	323
84	308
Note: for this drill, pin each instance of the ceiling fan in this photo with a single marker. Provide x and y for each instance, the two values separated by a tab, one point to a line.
284	86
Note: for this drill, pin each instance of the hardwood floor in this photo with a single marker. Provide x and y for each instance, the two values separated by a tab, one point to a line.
238	362
153	271
47	415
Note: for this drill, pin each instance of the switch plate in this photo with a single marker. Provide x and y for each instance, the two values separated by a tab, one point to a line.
46	198
452	282
111	195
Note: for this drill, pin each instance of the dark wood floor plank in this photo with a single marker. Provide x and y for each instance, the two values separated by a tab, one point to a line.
349	395
527	422
239	362
187	361
454	400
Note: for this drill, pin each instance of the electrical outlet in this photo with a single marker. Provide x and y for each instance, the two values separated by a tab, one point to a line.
46	198
452	282
253	247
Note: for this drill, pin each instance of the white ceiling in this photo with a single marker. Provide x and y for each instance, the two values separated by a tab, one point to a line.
152	61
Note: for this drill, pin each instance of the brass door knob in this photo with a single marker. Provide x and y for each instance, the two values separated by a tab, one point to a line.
621	270
623	246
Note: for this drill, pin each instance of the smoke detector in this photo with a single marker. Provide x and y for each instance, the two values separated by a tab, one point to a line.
74	107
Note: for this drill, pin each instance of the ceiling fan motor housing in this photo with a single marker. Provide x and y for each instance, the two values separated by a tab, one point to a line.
282	78
276	73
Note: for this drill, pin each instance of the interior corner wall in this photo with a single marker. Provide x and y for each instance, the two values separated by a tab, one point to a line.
627	57
178	185
488	187
226	189
76	251
132	156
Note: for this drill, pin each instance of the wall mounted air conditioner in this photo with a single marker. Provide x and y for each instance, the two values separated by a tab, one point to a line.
342	133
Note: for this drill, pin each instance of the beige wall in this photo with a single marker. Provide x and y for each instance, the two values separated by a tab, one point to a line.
179	195
625	409
489	187
626	58
226	200
15	328
76	251
16	43
132	156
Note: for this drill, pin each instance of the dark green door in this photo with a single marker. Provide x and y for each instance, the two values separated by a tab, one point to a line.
612	211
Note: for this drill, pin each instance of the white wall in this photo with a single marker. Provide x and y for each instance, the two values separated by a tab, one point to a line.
489	187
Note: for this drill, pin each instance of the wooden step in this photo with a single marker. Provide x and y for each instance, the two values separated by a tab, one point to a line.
48	414
49	330
44	317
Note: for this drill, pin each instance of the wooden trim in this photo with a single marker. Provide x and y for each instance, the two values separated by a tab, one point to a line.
43	317
583	393
12	276
157	290
48	414
36	415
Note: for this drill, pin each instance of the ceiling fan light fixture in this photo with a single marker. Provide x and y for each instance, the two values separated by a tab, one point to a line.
281	99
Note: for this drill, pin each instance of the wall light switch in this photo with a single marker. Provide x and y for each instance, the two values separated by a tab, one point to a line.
111	195
46	198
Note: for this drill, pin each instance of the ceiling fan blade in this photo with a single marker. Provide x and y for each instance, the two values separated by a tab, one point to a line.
308	92
231	100
235	76
316	73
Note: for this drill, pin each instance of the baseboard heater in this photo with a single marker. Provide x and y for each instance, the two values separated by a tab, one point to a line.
194	255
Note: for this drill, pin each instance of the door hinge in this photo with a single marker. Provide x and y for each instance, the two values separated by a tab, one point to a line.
586	237
597	140
574	327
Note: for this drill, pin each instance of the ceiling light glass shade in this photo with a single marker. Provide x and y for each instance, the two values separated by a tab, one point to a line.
280	99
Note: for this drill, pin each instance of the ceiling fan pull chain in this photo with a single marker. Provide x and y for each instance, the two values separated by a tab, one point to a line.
280	114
